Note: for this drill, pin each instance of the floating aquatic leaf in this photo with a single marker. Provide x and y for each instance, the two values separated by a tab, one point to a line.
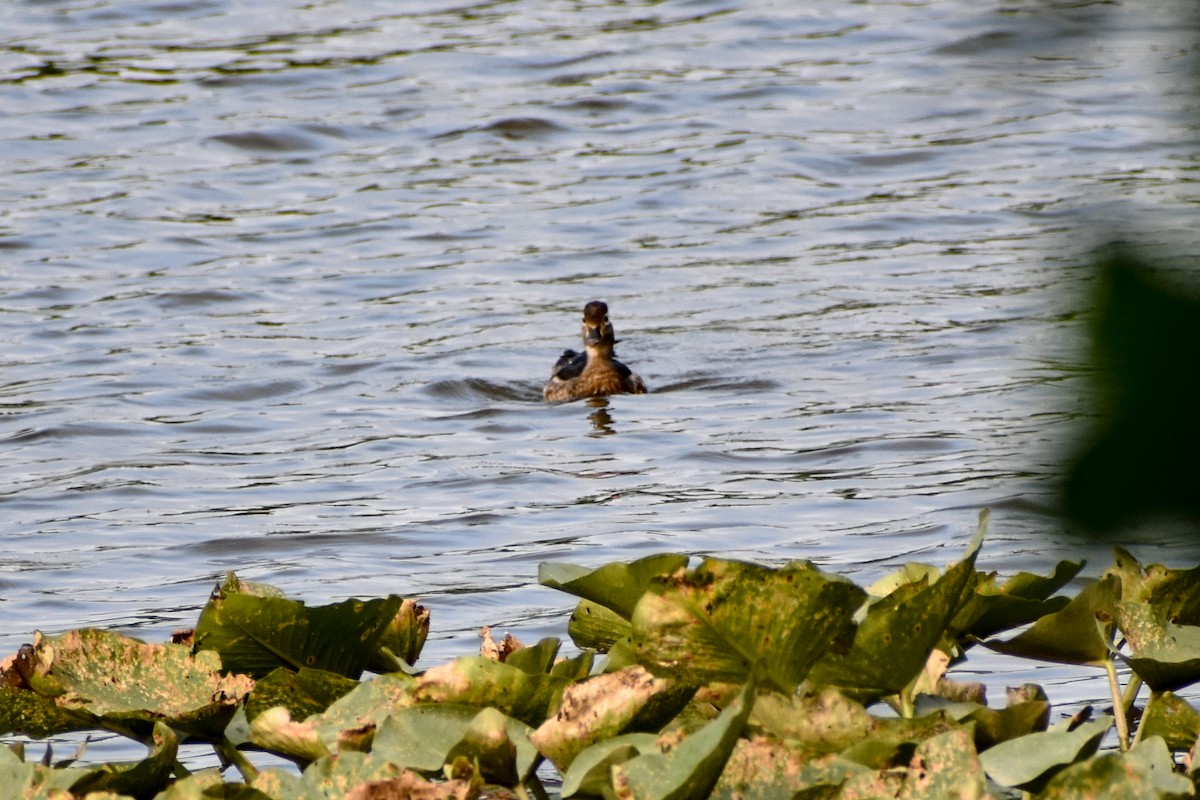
303	693
893	738
897	635
535	659
361	776
728	621
124	682
827	722
483	683
991	725
25	711
593	626
617	586
1164	655
1174	719
762	769
348	723
256	634
21	779
1028	762
590	773
427	737
142	778
1147	772
601	707
1069	636
945	766
1023	598
692	767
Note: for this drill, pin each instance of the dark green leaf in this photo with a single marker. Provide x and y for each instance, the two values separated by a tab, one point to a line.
894	641
303	693
1069	636
256	634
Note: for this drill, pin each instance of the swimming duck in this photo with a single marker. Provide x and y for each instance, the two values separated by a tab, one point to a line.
596	371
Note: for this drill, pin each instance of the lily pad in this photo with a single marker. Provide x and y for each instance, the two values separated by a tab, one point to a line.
590	774
1173	719
617	586
595	627
1164	655
1023	598
1147	772
603	706
826	722
894	640
256	634
126	683
1028	762
729	622
691	769
484	683
1069	636
303	693
425	738
141	778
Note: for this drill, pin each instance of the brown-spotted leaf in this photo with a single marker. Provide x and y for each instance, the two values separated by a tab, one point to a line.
729	622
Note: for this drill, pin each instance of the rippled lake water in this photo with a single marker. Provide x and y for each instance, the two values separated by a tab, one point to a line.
280	282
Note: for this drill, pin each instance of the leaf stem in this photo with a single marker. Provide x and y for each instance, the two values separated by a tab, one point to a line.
227	751
1118	706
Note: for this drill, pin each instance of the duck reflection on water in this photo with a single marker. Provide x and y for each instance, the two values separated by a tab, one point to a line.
595	372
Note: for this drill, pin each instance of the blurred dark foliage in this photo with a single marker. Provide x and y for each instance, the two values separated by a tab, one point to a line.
1143	459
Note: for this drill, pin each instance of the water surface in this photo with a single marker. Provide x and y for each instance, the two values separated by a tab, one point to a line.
279	287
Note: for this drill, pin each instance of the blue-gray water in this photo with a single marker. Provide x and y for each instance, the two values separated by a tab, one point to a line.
279	284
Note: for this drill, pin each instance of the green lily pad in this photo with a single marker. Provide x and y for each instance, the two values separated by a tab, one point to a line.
628	701
945	766
1173	719
483	683
892	739
25	711
729	621
425	738
597	628
537	658
1069	636
21	779
1147	772
1164	655
303	693
590	773
123	682
617	586
361	775
1028	762
765	769
349	723
691	769
1023	598
142	778
826	722
897	635
256	634
992	725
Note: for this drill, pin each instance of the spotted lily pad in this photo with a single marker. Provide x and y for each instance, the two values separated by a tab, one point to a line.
728	621
1172	718
894	640
1164	655
603	706
126	684
1147	772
